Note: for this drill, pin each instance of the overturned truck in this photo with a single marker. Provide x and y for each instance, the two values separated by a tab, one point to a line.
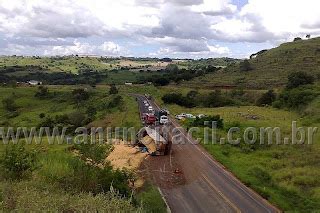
154	142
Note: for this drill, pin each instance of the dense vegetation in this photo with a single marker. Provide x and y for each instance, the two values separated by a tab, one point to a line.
216	98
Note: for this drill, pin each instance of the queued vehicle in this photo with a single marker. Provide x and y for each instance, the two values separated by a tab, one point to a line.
160	113
164	119
149	119
166	110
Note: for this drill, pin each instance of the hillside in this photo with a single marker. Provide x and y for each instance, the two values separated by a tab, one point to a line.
268	69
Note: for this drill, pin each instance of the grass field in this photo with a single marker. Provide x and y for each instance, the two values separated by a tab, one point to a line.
269	69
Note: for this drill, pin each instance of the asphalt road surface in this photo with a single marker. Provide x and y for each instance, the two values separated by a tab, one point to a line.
192	181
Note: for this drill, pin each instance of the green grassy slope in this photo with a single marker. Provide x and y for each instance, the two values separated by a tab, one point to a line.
43	190
269	69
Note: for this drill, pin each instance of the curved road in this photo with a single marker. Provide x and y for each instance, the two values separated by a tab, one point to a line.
208	186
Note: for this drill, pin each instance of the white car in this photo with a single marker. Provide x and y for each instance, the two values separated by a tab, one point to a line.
201	116
150	108
146	104
179	117
164	119
190	116
167	111
183	115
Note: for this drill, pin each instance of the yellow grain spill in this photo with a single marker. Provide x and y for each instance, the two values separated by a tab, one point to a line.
125	156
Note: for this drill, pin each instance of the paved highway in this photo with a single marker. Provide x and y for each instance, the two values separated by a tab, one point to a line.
207	185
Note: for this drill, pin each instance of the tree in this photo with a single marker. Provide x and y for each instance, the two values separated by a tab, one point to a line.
91	112
297	79
116	102
42	115
113	90
43	92
267	98
297	39
207	121
173	68
9	104
217	99
179	99
245	65
161	81
77	119
80	95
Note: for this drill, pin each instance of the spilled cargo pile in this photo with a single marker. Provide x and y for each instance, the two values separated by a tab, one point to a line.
126	157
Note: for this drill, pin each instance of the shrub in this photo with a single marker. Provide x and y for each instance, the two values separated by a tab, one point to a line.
42	115
43	92
116	102
297	79
91	112
200	122
76	175
47	122
9	104
179	99
97	153
88	178
216	99
113	90
17	161
77	119
161	81
267	98
295	98
31	196
80	95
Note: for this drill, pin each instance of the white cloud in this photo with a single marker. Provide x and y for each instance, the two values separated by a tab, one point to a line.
111	48
219	50
218	7
272	20
184	48
107	48
285	15
77	48
177	26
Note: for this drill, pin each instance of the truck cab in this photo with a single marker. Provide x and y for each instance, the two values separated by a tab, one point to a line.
149	119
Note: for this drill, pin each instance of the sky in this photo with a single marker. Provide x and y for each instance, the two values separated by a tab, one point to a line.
153	28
